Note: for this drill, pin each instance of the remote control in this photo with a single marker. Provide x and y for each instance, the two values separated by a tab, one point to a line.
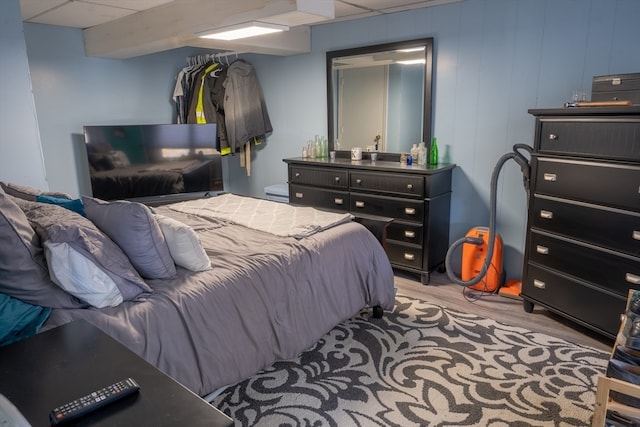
91	402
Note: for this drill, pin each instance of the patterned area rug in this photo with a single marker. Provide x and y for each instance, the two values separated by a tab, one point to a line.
423	365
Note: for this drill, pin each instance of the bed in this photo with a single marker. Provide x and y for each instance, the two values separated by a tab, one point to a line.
269	295
153	179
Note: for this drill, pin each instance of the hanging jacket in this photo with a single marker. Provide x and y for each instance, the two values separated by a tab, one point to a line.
215	85
245	111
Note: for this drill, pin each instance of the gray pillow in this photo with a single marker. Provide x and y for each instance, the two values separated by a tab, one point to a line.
28	193
59	225
23	270
132	226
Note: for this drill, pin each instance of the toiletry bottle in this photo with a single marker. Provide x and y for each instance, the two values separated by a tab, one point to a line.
422	154
414	152
433	152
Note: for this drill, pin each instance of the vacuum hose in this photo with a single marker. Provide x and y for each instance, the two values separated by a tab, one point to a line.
523	162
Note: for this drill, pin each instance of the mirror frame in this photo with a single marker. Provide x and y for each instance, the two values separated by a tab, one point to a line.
427	120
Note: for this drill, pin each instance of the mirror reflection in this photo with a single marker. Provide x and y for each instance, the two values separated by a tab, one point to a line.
379	97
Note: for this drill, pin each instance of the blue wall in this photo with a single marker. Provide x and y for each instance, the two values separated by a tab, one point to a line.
20	150
495	59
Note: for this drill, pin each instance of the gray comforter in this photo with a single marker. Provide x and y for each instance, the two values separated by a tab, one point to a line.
267	298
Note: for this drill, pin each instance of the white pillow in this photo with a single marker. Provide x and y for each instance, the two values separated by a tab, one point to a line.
184	245
80	277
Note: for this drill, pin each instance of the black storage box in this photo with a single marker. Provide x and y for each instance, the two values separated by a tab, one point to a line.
616	87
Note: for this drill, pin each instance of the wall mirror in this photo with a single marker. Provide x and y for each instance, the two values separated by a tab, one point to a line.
379	97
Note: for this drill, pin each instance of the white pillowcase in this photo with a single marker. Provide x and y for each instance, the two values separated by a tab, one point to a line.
80	277
184	245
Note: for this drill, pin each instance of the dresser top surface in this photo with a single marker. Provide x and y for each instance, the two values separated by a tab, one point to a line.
372	166
587	111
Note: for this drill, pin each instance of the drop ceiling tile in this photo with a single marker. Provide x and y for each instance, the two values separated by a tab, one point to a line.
31	8
137	5
390	6
349	10
81	15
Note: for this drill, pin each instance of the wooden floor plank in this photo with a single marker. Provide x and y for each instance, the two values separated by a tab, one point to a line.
442	291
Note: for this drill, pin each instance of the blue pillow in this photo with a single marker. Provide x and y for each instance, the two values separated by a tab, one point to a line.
74	205
19	320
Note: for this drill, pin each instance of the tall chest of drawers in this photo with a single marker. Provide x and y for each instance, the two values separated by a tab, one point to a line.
412	201
582	251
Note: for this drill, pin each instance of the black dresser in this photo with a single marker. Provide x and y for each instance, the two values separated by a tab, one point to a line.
582	250
411	203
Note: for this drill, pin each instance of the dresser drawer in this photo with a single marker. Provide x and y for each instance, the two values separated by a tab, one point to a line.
322	177
405	255
602	183
610	270
614	138
612	228
318	197
405	232
388	183
403	209
581	301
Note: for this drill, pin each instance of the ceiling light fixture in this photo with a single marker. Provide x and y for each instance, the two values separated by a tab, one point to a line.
240	31
412	61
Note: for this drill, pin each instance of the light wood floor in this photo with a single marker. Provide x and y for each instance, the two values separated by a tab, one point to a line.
442	291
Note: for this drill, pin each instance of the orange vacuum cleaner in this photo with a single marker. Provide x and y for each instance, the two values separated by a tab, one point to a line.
473	257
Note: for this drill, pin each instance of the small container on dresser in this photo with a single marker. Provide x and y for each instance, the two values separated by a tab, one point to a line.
583	235
411	203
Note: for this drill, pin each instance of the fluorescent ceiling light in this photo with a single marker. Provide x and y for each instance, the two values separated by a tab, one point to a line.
240	31
412	61
412	49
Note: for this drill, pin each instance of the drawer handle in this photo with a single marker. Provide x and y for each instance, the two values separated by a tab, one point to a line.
551	177
546	214
336	179
553	137
632	278
299	196
297	174
636	235
359	204
542	250
539	284
410	234
409	186
358	181
409	257
338	201
410	211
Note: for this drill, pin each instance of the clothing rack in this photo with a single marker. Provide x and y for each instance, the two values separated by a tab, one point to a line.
220	57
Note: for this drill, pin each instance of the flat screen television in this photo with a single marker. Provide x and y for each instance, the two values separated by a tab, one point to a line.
145	161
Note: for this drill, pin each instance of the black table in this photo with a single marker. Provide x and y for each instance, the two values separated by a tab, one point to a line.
68	362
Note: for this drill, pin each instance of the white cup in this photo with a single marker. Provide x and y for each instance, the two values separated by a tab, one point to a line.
374	156
356	153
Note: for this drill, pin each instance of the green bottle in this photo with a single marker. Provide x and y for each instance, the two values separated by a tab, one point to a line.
433	152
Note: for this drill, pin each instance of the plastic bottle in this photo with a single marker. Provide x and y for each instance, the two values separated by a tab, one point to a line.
433	152
414	153
422	154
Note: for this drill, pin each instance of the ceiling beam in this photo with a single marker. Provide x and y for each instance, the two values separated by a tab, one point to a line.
174	24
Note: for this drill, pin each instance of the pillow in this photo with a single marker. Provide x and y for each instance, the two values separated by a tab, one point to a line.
118	159
19	320
100	161
80	255
132	226
28	193
79	276
184	245
74	205
23	269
